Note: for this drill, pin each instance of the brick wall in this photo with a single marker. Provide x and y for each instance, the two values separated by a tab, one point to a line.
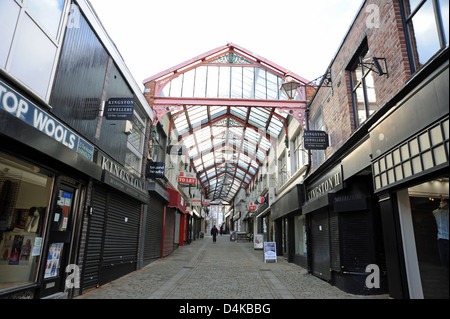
380	23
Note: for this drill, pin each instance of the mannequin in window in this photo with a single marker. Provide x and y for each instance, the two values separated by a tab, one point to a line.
441	216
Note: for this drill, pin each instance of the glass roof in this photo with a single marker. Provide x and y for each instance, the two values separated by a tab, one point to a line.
227	143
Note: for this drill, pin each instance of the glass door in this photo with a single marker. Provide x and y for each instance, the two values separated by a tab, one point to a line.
60	234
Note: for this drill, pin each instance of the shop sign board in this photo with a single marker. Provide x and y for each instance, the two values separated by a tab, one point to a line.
119	109
270	251
330	182
206	202
315	140
20	107
155	169
118	176
187	178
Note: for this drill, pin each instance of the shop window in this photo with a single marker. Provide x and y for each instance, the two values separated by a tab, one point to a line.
427	29
24	196
300	235
29	40
429	212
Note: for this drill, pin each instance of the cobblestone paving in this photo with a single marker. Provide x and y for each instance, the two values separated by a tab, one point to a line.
221	270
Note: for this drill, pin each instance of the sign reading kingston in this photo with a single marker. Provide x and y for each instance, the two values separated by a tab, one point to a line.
315	140
187	178
119	109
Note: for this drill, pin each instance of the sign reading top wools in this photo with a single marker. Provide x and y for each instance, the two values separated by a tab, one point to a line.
315	140
120	109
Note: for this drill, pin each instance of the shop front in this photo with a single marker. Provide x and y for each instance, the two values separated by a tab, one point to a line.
153	221
290	227
44	174
114	221
177	205
344	226
410	177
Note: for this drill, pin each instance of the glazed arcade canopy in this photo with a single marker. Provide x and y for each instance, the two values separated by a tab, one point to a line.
227	108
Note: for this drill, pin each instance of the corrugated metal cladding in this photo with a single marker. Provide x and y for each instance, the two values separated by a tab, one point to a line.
169	231
153	229
112	239
320	244
86	76
79	82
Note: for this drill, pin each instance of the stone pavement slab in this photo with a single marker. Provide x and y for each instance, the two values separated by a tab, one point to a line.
220	270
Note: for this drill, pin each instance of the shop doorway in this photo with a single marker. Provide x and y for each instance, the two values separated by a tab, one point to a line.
60	230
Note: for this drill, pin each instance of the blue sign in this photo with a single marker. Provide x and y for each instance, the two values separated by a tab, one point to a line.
23	109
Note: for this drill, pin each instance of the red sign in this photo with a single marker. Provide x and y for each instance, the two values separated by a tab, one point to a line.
187	178
252	207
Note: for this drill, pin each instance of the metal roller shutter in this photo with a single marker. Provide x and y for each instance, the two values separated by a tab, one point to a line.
153	230
320	242
120	247
94	239
169	230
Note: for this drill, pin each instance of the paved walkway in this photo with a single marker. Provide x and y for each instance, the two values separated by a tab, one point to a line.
221	270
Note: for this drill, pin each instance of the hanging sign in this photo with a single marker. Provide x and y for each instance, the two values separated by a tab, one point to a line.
119	109
155	169
270	251
206	202
187	178
252	207
315	140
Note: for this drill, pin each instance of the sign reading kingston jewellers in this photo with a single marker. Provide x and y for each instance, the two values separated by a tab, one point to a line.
119	109
315	140
20	107
330	182
118	176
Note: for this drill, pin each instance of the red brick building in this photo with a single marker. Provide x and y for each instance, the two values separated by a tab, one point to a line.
371	194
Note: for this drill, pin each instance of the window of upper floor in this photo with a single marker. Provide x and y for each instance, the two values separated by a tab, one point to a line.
135	144
282	169
298	154
31	33
426	28
364	98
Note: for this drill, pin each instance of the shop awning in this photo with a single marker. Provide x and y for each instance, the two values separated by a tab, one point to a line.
176	200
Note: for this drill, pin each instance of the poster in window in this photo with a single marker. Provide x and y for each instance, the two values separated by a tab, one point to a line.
53	259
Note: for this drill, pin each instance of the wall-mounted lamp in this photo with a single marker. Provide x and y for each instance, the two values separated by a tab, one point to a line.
376	66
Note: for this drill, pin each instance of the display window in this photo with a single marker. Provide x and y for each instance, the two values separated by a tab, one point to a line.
300	235
429	212
25	192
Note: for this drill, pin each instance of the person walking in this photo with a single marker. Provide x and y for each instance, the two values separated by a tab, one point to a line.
214	233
